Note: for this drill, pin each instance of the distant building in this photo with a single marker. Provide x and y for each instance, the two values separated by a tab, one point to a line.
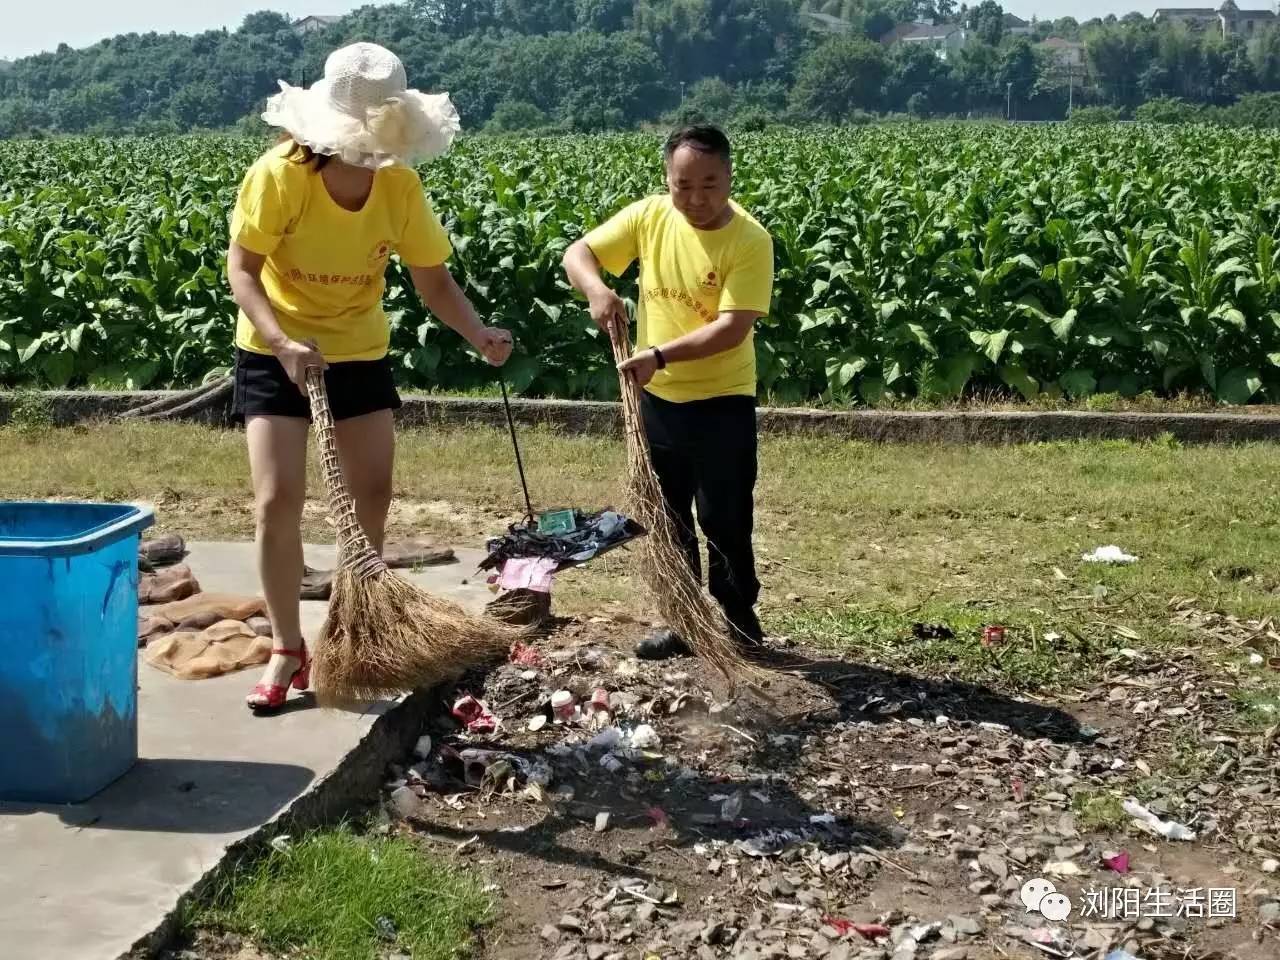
314	24
1067	54
1016	26
1228	19
944	39
826	23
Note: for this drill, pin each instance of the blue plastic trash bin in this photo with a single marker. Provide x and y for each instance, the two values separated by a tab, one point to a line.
68	648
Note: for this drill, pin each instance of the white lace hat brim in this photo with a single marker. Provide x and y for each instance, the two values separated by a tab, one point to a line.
410	127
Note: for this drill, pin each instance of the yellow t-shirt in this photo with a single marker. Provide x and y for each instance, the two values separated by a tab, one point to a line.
326	266
687	278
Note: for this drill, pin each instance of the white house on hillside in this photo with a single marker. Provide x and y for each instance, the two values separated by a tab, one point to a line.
1067	54
313	23
947	39
1228	18
944	39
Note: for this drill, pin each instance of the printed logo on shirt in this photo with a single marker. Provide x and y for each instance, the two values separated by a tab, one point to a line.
711	281
380	252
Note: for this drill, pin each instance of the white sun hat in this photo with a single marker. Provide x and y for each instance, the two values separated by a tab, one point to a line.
363	111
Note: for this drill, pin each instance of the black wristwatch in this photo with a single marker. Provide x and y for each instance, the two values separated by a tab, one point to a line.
657	355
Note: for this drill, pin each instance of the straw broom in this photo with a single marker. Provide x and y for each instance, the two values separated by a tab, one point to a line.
383	635
684	604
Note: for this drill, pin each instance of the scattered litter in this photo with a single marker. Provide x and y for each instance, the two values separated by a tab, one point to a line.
770	843
386	929
871	931
1271	866
496	770
993	636
731	808
282	843
644	737
932	631
474	715
1108	554
422	749
1169	829
404	801
602	821
526	656
1120	954
562	705
827	820
466	845
537	722
599	701
1064	868
657	816
1256	659
528	573
1119	862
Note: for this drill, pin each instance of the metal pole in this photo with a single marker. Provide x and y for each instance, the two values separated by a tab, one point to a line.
1008	106
681	94
511	425
1071	89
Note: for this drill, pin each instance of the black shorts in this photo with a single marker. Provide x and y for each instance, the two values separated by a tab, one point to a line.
356	388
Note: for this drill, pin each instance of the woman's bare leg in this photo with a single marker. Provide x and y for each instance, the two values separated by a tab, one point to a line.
278	463
367	452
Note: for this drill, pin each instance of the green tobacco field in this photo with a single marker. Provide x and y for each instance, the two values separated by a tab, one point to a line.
924	262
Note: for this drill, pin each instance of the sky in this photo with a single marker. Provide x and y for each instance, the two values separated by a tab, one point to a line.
30	26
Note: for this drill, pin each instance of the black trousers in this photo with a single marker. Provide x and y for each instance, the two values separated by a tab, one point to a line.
704	452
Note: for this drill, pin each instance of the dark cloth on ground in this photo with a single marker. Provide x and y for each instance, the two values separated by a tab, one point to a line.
593	534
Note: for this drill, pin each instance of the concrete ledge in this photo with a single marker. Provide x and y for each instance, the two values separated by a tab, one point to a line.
593	417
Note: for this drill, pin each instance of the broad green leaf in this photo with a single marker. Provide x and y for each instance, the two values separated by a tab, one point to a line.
1079	383
1018	378
1238	385
991	344
58	368
1062	326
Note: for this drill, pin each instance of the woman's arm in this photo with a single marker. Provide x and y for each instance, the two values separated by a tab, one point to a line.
443	297
244	270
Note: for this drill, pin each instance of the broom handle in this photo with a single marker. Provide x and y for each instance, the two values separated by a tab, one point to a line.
355	552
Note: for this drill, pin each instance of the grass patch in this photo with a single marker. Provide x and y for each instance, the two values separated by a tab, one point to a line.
30	414
1259	707
1099	812
337	895
1032	655
867	538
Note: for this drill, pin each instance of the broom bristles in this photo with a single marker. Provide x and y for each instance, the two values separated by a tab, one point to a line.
383	635
664	566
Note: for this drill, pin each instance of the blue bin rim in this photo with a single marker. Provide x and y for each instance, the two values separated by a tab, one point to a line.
136	519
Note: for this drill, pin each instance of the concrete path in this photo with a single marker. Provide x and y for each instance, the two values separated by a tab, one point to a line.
87	882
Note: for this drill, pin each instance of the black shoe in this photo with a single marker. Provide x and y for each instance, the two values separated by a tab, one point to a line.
662	645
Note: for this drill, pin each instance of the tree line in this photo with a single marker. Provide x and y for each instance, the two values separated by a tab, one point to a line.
584	65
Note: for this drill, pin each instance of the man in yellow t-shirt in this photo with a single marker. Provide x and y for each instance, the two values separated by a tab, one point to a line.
706	277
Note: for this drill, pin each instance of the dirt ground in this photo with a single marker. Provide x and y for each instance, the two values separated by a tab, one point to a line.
842	810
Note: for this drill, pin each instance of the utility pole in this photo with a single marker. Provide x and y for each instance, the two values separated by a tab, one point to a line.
1008	105
1071	89
681	94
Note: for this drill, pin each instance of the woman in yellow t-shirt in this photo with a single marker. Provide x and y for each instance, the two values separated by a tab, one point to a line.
315	223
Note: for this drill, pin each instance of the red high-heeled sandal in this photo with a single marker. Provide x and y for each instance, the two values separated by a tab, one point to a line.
269	697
